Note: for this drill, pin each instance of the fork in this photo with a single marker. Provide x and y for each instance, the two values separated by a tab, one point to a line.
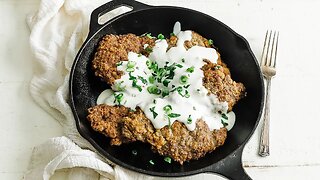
268	68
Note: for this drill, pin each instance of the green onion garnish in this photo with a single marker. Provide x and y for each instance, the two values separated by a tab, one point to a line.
143	80
134	84
179	65
149	63
131	77
187	95
149	35
167	159
172	34
190	69
210	42
165	92
119	63
186	86
166	82
119	87
130	69
131	64
155	114
217	67
151	79
183	79
224	123
224	116
148	49
118	97
173	115
154	90
182	60
160	36
189	120
167	108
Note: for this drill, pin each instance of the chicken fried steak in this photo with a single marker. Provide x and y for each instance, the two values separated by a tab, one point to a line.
123	125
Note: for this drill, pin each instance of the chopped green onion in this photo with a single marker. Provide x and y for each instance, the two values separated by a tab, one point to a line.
174	115
166	82
190	69
148	49
167	108
187	95
155	114
179	65
154	101
149	63
179	89
154	90
134	152
131	64
149	35
143	80
131	77
118	97
186	86
153	66
139	55
172	34
119	63
217	67
224	123
167	159
224	116
119	87
165	92
134	84
151	162
160	36
183	79
189	120
130	69
210	42
151	79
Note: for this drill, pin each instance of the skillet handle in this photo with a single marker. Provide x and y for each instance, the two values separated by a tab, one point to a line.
231	167
105	8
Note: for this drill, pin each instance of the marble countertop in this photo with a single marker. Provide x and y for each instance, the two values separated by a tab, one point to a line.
295	141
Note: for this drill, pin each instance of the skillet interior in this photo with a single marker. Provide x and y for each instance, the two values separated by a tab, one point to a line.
235	51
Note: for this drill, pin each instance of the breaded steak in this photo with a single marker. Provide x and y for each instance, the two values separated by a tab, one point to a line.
124	126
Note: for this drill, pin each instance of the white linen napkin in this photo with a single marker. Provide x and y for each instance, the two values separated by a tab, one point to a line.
58	29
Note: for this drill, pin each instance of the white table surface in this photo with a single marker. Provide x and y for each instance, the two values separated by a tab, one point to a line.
295	138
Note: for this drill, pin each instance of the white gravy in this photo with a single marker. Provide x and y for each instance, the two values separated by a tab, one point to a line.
185	100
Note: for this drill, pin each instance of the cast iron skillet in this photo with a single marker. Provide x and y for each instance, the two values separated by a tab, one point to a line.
235	51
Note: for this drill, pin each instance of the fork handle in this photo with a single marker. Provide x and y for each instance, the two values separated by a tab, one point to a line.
264	139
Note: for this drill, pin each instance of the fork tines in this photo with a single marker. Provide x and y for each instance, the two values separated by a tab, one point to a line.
270	48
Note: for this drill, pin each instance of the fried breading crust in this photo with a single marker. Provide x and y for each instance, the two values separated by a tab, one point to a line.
177	142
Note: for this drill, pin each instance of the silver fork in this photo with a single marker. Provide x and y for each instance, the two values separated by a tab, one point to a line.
268	68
